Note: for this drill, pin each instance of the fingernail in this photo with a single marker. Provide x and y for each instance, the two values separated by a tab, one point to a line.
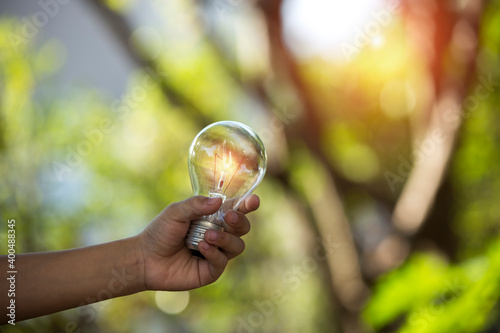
212	235
212	201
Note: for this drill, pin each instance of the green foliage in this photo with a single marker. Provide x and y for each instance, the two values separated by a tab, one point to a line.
433	296
427	294
82	169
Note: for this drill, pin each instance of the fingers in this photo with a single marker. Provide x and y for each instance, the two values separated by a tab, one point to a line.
238	223
250	204
229	244
217	248
191	209
216	261
197	206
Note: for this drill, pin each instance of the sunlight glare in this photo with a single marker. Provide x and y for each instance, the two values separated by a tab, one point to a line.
377	42
315	27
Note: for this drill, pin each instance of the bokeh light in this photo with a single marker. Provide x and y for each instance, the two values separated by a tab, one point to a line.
379	207
172	303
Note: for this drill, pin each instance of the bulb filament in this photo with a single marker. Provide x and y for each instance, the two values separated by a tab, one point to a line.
221	180
219	187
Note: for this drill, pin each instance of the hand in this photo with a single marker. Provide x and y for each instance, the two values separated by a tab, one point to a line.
168	263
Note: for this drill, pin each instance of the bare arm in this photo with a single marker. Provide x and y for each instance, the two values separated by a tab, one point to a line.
55	281
156	259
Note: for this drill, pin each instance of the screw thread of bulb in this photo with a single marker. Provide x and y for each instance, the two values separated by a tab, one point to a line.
197	232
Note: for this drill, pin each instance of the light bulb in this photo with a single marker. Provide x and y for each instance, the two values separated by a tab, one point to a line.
228	160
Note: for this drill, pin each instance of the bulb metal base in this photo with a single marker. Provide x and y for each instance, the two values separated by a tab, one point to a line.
197	231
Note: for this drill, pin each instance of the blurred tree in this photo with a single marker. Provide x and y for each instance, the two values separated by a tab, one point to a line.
359	156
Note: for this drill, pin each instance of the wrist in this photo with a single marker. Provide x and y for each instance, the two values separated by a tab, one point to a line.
130	269
143	254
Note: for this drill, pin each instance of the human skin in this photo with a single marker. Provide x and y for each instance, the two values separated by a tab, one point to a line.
155	259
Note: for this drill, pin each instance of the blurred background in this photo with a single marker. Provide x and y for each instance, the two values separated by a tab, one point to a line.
381	124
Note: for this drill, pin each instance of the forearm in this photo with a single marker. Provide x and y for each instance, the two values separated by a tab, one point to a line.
55	281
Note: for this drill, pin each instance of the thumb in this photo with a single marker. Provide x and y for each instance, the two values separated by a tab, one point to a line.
191	209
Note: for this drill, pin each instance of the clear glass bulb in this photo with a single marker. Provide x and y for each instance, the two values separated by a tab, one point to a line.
226	159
